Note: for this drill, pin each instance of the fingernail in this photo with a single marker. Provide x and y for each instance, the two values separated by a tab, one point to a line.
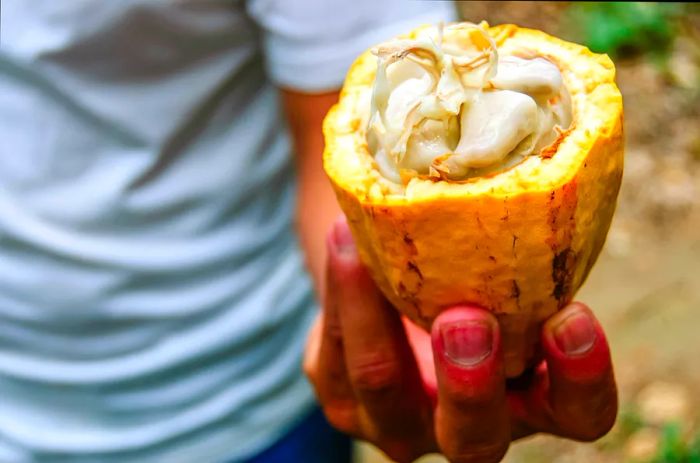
344	241
575	334
467	342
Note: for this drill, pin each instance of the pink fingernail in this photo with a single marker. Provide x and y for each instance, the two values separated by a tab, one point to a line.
467	342
343	237
575	334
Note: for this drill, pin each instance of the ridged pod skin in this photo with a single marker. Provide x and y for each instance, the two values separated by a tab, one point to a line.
519	243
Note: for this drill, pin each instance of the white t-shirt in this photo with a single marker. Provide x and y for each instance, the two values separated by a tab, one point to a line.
153	302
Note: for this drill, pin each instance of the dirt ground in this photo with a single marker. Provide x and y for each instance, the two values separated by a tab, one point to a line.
645	287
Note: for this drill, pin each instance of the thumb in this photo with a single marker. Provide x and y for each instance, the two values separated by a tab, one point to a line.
582	394
472	423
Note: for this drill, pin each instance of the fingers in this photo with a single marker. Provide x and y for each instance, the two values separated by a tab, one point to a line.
518	333
333	387
325	354
472	417
582	391
379	361
325	366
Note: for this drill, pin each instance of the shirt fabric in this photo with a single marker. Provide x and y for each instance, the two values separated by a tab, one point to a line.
153	301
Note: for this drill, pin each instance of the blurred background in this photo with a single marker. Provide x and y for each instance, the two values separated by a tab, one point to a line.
645	287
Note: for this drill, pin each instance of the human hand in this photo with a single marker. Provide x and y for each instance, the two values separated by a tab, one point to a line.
374	380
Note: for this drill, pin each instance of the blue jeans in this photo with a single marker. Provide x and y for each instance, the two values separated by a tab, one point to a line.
311	441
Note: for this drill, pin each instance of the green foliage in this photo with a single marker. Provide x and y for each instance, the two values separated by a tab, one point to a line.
674	448
694	450
624	28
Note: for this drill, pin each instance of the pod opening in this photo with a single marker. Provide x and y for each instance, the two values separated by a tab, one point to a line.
447	106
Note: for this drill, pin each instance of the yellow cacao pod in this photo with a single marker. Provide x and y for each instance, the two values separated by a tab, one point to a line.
520	242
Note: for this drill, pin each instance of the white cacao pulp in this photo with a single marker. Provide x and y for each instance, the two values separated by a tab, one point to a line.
446	105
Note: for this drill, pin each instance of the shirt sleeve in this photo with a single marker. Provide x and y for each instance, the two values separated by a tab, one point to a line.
310	44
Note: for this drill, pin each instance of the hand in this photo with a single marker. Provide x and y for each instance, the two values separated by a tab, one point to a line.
375	382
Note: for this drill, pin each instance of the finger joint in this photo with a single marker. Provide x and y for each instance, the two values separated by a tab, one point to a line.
377	373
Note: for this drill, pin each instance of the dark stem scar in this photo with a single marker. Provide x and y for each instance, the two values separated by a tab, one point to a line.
411	295
411	245
561	275
414	268
515	239
515	293
516	290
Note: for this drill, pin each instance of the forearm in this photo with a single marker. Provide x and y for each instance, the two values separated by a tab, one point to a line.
316	204
316	210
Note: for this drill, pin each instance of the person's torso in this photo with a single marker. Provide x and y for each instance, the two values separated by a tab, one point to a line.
152	296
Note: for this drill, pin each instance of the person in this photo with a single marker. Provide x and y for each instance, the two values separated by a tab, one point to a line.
153	297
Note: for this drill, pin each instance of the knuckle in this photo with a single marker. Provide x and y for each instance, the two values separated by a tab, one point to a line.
596	429
402	452
342	416
332	329
469	397
492	452
310	370
591	420
376	373
590	435
310	366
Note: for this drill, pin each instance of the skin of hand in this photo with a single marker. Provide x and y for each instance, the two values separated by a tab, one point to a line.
380	378
376	379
